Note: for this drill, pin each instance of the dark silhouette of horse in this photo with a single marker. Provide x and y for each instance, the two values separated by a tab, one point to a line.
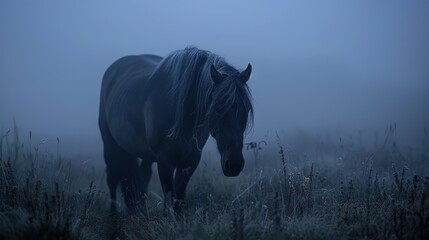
163	110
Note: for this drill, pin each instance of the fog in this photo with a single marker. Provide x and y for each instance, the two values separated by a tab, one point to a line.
330	65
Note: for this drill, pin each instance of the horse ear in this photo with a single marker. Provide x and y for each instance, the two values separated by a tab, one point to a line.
215	74
245	75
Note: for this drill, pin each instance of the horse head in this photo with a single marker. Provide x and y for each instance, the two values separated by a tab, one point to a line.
229	113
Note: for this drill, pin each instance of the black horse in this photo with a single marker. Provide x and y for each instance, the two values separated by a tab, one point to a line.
163	110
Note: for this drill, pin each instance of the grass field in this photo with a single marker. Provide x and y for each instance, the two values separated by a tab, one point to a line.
291	188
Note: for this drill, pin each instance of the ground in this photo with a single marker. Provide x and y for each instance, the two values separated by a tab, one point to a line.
291	188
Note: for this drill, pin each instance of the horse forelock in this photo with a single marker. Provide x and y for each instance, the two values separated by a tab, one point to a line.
231	92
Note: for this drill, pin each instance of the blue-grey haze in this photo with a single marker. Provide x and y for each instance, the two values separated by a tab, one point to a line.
317	64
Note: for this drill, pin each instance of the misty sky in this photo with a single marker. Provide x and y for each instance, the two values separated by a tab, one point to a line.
316	63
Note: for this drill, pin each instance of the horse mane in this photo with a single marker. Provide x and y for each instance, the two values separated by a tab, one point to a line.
188	72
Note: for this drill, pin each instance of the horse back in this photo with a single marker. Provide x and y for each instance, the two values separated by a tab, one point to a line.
128	69
122	101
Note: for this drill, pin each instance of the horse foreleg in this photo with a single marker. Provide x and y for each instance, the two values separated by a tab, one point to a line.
181	180
166	177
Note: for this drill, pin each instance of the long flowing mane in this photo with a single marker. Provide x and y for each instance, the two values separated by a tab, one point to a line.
189	77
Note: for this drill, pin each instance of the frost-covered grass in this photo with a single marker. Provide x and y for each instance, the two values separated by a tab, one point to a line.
290	189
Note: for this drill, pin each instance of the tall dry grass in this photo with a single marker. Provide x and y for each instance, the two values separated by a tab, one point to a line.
299	189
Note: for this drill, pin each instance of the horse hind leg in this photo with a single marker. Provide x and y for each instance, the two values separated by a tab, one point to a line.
165	173
131	185
112	155
112	183
143	179
121	168
134	186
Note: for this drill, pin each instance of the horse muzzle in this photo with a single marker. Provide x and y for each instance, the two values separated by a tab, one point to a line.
232	166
